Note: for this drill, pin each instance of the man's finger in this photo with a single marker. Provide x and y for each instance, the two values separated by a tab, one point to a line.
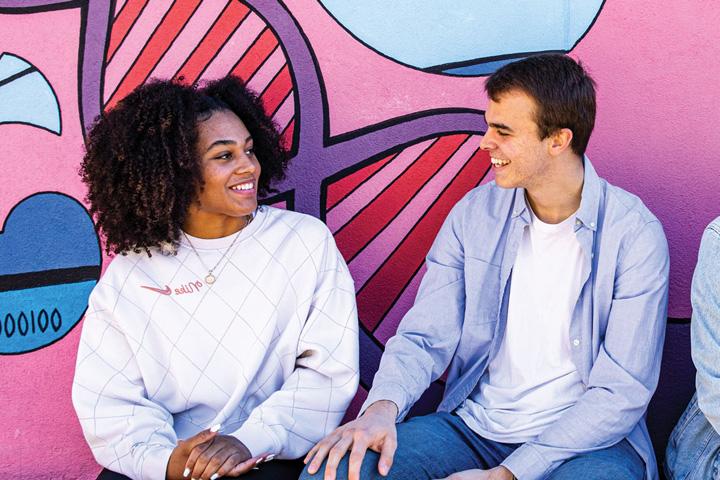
357	454
321	452
337	452
387	453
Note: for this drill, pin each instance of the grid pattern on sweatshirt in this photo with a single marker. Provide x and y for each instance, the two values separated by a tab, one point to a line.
251	298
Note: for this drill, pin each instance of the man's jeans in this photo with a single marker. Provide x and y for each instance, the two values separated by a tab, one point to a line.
693	452
439	444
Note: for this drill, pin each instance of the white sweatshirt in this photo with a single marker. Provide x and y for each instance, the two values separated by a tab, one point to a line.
269	351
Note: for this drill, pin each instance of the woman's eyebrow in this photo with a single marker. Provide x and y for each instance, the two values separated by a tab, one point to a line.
220	142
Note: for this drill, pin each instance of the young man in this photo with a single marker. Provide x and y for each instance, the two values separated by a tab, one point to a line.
693	452
545	295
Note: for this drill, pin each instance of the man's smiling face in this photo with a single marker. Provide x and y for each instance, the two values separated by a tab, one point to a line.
520	157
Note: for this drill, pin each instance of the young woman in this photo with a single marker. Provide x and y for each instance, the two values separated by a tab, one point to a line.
224	334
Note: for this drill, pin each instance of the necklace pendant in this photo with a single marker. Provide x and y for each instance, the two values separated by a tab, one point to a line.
210	279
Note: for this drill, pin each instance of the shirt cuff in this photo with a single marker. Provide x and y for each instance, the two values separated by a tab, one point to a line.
155	463
391	392
258	438
526	463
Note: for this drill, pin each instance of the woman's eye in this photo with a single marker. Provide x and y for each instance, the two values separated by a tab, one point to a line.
250	152
224	156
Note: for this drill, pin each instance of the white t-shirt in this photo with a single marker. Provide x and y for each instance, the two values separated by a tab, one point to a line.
532	379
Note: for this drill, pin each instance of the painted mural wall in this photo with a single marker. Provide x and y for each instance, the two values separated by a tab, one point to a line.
381	105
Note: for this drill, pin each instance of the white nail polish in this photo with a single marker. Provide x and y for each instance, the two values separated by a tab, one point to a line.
215	428
186	472
258	461
269	457
214	476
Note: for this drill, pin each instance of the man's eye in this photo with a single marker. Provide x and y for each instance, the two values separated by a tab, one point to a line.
503	134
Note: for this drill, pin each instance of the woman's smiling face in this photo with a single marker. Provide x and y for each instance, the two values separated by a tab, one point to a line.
230	172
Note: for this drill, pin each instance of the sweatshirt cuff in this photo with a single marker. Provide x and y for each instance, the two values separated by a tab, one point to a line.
155	463
258	438
526	463
388	391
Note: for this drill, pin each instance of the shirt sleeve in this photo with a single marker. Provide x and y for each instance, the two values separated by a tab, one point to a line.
428	335
127	432
625	372
313	399
705	325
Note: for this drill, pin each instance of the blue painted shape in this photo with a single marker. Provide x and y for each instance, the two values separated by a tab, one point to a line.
28	99
48	231
36	317
485	68
10	65
429	35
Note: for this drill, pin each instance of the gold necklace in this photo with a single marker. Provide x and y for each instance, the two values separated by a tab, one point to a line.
210	278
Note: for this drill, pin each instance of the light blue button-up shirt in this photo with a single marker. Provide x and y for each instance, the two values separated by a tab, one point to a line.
617	329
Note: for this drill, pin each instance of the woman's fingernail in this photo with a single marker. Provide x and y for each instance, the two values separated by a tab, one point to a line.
269	457
214	476
215	428
186	472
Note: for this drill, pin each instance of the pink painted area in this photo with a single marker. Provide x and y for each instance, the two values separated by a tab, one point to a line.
119	4
40	434
285	113
267	71
387	88
238	43
656	131
343	212
189	38
391	321
133	44
379	249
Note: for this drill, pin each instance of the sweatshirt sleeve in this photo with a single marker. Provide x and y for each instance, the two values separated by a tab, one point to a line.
314	397
127	432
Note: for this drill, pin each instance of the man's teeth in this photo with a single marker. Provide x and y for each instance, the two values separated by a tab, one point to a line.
243	186
498	162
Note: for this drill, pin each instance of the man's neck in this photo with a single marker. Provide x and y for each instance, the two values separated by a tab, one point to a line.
558	196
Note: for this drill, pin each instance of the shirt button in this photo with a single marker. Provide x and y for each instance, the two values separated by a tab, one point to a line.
576	342
577	222
592	224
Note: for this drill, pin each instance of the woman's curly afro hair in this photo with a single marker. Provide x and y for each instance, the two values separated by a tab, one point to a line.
141	165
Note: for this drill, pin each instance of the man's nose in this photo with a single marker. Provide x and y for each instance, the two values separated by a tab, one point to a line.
487	142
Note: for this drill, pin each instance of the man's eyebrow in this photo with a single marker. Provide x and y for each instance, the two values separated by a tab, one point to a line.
500	126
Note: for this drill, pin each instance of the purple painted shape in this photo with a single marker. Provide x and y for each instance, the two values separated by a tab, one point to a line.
318	156
96	20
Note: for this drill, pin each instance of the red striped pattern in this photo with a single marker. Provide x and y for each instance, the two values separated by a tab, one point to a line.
229	20
209	43
345	186
124	21
380	293
149	57
352	237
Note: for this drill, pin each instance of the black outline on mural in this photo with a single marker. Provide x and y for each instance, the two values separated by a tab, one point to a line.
99	267
438	69
28	71
122	40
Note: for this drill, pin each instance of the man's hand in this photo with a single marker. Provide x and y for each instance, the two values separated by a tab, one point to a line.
497	473
375	430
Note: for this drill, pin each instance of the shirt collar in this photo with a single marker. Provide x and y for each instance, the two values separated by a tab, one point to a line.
587	214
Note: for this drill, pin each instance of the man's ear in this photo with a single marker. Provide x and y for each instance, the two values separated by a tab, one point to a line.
560	141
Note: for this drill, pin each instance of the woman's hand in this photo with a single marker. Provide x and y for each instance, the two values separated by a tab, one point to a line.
222	456
207	456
